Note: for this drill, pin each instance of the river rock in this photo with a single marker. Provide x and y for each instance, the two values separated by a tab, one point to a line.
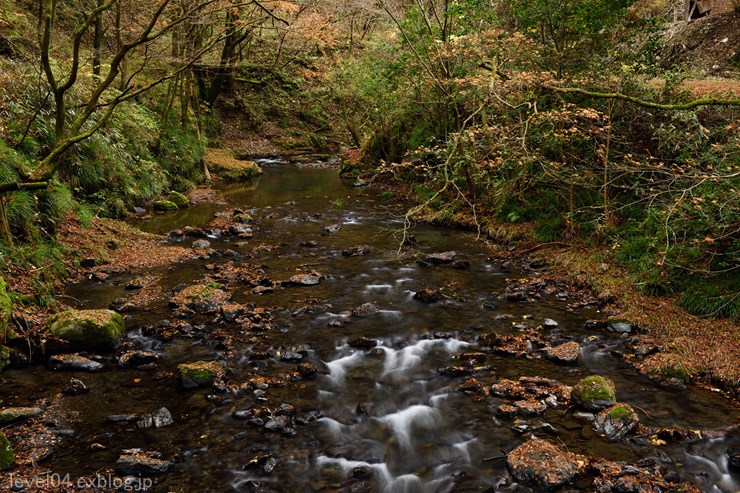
440	258
138	359
616	422
6	309
307	370
363	343
567	353
541	463
201	245
549	323
86	330
332	230
15	414
304	280
530	407
73	362
201	298
733	459
139	463
164	205
365	310
180	200
75	387
7	458
199	374
620	326
594	393
356	251
428	295
157	419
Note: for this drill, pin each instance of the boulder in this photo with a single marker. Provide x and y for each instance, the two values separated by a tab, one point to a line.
543	464
199	374
594	393
180	201
164	205
7	458
86	330
157	419
616	422
202	298
6	309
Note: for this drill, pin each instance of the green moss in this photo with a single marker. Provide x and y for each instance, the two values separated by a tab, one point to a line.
594	392
88	329
165	205
199	373
6	309
180	200
7	459
4	357
622	412
675	370
243	218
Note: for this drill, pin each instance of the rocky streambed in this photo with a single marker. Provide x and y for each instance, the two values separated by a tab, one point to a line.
303	348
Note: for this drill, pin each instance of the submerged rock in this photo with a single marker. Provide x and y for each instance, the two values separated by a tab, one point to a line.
201	245
304	280
363	343
333	229
7	458
86	330
541	463
567	353
73	362
199	374
593	393
139	463
139	359
616	422
365	310
440	258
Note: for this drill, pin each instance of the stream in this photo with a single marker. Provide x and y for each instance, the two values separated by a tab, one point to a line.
373	419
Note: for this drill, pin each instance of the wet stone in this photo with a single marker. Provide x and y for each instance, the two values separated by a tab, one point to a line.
304	280
309	244
201	245
157	419
428	295
15	414
616	422
507	411
530	407
73	362
122	418
365	310
139	463
307	370
440	258
363	343
594	393
733	459
455	371
549	323
263	289
543	464
356	251
75	387
332	230
567	353
138	359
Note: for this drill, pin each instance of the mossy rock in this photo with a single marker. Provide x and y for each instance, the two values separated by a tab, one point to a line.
6	309
164	206
4	357
180	200
616	422
228	167
202	298
15	414
674	371
87	330
7	459
593	393
199	374
243	218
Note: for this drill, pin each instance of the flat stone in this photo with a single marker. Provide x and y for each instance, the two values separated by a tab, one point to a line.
73	362
530	407
138	463
15	414
304	280
356	251
567	353
139	359
440	258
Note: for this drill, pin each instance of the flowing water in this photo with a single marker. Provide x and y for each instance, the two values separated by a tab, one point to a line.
386	419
